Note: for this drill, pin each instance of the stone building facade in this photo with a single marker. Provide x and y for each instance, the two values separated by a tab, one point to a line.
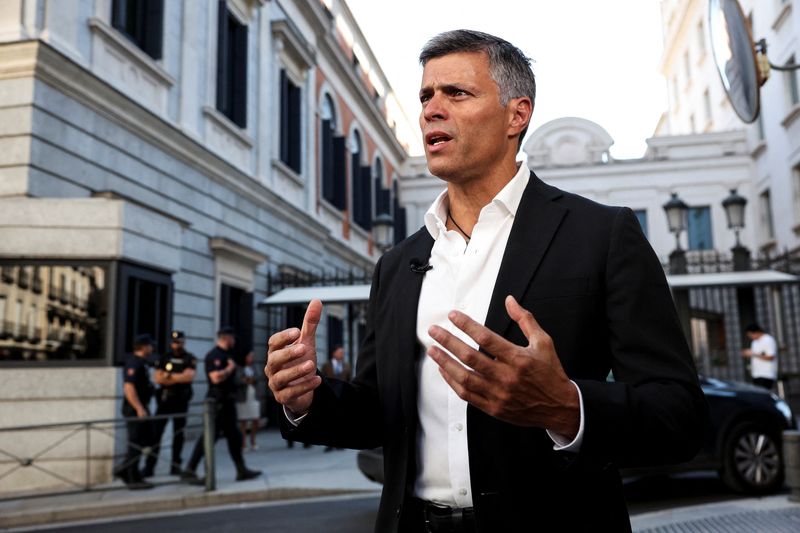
160	161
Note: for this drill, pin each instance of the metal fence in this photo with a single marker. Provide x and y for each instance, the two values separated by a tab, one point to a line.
69	457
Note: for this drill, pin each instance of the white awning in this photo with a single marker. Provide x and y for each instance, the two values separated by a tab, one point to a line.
720	279
337	294
341	294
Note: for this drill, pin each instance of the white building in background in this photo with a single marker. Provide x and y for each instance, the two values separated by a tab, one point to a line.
697	104
573	154
160	161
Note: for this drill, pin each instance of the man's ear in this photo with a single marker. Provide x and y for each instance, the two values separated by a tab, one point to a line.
521	110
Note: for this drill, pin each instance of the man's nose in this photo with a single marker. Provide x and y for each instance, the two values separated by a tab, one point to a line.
434	109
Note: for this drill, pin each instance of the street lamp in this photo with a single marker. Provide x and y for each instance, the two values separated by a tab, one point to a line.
383	231
734	211
676	210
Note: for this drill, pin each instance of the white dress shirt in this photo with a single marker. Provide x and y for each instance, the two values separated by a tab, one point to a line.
463	277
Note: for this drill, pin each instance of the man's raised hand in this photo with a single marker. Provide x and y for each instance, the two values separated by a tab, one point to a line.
523	385
292	363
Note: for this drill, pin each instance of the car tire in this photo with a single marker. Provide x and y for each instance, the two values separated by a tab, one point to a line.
752	461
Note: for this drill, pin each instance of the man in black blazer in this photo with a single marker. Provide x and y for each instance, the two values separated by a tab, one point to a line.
491	333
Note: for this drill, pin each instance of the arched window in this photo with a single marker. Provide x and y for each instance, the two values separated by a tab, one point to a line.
382	194
360	185
399	215
332	157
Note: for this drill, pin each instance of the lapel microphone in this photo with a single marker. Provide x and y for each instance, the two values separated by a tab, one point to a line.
417	267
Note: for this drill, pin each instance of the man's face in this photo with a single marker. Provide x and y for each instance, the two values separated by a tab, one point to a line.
176	345
464	127
227	341
338	353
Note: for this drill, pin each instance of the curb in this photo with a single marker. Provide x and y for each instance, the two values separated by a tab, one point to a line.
39	517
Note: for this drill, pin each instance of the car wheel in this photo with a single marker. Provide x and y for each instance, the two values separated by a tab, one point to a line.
752	460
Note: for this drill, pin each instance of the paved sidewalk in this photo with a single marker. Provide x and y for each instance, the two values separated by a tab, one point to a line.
300	473
773	514
288	474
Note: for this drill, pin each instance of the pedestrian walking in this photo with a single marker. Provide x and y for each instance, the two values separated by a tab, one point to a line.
137	391
248	408
763	355
220	370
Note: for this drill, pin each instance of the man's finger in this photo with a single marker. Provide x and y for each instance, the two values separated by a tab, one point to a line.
282	338
311	320
467	379
284	358
289	394
523	317
464	352
464	388
487	339
291	376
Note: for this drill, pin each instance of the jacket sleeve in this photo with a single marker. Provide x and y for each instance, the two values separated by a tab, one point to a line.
654	411
346	414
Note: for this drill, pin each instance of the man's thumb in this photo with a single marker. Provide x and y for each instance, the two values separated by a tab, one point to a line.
311	320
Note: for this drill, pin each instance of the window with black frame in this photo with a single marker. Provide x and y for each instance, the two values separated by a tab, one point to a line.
361	186
399	215
236	311
332	156
231	66
143	306
54	311
291	127
142	22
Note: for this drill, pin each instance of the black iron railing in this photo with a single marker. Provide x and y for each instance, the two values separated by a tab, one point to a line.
50	438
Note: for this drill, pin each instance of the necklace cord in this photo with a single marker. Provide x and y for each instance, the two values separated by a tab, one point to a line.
464	233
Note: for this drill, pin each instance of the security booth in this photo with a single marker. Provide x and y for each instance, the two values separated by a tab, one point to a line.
714	308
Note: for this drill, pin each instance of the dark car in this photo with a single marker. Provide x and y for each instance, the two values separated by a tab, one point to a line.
743	444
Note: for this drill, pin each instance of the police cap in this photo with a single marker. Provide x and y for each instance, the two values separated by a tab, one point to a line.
177	336
140	341
226	330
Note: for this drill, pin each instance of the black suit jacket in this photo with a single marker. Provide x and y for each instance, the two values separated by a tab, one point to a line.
589	276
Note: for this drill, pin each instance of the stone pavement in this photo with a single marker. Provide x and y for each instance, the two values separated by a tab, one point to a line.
773	514
301	473
288	474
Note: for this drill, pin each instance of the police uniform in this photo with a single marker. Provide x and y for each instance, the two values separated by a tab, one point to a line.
225	420
140	432
172	399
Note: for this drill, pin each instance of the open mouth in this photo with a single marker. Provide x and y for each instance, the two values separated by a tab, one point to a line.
437	138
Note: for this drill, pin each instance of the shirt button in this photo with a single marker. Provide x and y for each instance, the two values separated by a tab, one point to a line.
463	492
462	305
458	426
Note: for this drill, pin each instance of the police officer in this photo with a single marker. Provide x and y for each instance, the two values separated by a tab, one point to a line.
137	390
175	372
221	372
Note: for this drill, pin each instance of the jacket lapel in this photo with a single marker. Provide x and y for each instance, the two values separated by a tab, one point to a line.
409	284
535	225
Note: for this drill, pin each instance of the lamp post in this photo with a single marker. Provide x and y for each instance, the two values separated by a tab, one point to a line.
676	210
734	211
383	231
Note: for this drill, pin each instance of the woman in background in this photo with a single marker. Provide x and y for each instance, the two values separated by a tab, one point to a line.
248	409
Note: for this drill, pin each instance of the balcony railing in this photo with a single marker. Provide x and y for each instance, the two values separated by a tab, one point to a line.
6	329
23	278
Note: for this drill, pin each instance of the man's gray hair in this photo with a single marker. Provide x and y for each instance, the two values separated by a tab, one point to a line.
508	66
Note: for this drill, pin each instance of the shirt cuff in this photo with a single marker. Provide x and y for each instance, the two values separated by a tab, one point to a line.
295	420
561	443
